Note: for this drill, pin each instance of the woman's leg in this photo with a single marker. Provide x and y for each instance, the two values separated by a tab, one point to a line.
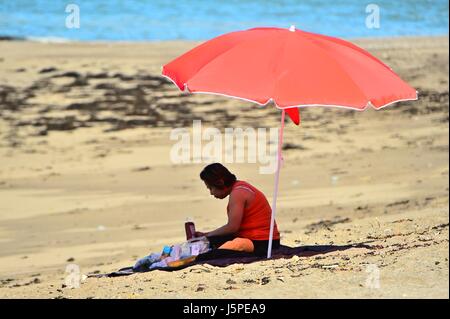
239	244
217	241
261	246
216	253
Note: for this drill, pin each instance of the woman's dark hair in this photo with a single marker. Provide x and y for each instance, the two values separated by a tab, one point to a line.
218	176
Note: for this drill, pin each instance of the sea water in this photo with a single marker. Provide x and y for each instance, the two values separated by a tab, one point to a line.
151	20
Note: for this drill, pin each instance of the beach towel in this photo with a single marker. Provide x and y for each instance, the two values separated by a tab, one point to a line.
225	257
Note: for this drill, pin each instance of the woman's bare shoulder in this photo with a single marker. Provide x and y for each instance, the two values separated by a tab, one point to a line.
241	192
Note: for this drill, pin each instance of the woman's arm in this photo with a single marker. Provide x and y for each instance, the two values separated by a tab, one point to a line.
236	210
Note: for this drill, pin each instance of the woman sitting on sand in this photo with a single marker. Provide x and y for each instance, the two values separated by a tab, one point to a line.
248	210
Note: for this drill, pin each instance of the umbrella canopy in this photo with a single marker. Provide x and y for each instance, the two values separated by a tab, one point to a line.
292	68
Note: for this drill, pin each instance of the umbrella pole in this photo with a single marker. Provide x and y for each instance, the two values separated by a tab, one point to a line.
277	178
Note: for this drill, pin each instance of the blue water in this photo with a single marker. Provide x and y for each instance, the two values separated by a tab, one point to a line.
133	20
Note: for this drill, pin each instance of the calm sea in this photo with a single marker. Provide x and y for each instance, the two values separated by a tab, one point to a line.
133	20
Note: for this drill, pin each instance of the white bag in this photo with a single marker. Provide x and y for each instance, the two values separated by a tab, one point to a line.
194	247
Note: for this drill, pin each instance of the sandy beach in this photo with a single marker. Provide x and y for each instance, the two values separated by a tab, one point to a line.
86	178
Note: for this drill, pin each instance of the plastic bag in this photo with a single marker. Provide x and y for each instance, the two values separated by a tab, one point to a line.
198	246
146	262
178	252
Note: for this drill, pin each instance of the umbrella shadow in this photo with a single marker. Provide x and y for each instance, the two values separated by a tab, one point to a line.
224	257
308	251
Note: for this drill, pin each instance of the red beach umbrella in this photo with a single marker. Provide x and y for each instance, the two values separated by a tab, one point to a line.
292	69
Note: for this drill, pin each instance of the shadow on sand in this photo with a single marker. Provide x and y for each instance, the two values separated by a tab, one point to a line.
224	257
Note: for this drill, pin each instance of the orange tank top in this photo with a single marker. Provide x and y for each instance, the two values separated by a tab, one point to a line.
255	224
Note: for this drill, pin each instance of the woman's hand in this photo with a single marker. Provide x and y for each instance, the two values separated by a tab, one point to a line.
200	234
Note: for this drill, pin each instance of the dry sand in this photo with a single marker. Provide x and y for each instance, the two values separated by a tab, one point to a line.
85	178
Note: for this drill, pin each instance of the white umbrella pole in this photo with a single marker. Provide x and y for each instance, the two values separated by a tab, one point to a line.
277	178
